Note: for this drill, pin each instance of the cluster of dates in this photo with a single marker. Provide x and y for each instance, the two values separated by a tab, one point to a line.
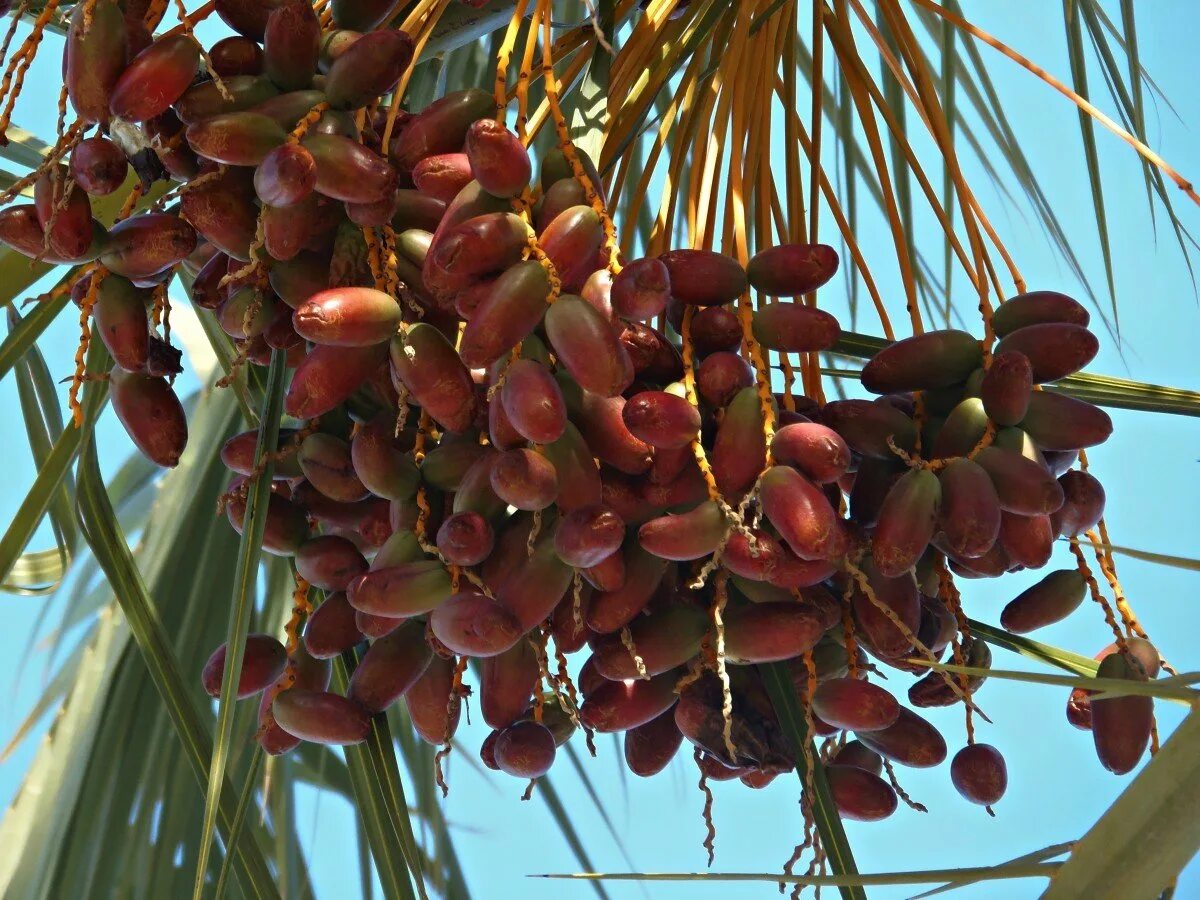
490	445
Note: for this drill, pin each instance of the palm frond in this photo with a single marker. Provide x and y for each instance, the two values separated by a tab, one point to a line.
242	601
1147	836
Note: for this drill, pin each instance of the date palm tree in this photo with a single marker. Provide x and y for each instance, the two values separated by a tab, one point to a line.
713	125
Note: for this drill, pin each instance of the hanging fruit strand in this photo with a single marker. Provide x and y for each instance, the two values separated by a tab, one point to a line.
185	27
591	191
638	663
853	653
864	585
307	121
809	791
452	708
720	598
689	384
524	76
949	595
194	18
900	792
503	57
17	18
710	837
64	145
301	609
10	89
1101	545
97	275
1098	596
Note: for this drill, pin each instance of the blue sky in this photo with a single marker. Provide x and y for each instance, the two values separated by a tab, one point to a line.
1057	788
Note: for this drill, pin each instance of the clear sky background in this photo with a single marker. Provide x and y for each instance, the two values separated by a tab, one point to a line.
1149	467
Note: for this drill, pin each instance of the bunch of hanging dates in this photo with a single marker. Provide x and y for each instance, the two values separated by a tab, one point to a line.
502	438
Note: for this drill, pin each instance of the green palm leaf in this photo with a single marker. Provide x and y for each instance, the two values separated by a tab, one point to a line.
1147	836
42	571
108	544
253	528
1088	129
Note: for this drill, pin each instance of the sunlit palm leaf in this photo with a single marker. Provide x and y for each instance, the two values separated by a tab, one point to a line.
42	571
1186	563
1055	656
254	526
966	874
106	541
1035	857
1129	101
33	829
1166	689
245	801
24	148
1150	832
133	725
1087	128
22	335
54	469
